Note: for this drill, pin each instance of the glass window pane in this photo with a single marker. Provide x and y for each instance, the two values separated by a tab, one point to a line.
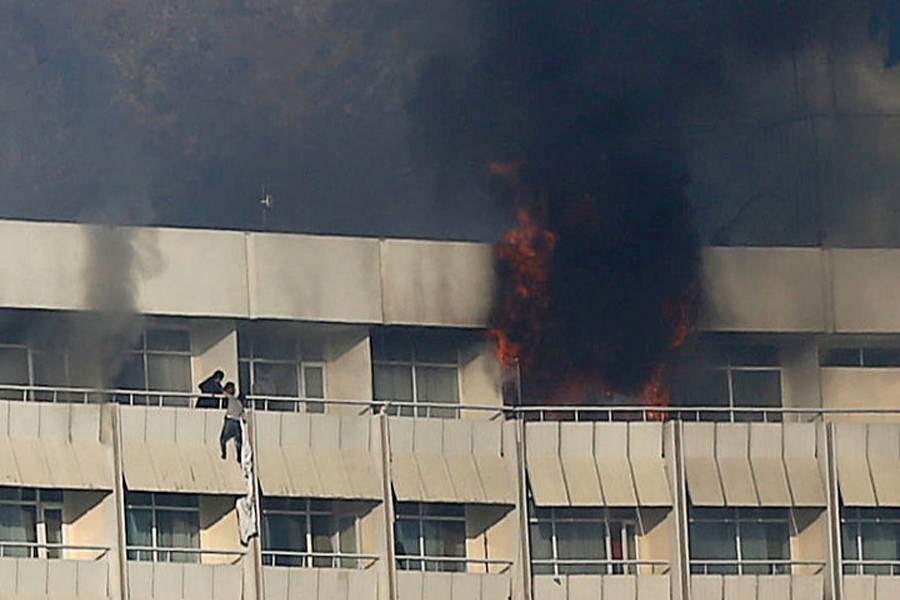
284	532
131	372
178	529
324	536
14	366
880	542
172	340
437	384
53	528
274	348
407	538
757	388
139	532
714	541
393	383
764	541
347	540
445	538
436	347
754	356
275	379
49	369
541	541
169	372
314	382
709	389
881	357
841	357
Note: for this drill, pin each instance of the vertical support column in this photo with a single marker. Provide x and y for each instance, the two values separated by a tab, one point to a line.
523	585
834	587
387	497
119	561
255	546
680	565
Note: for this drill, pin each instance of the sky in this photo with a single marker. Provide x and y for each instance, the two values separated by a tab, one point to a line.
381	117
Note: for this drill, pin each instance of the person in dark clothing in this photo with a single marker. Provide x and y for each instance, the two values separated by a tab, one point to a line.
234	414
212	385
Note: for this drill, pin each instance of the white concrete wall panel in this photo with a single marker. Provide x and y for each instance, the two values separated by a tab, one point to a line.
733	458
315	278
612	461
774	586
168	581
359	449
410	585
766	459
428	438
363	585
790	279
275	582
325	438
227	581
887	587
584	587
494	586
405	476
494	449
548	587
703	481
576	450
648	466
200	582
854	477
620	586
31	578
460	458
303	584
31	463
437	283
545	474
707	587
801	461
334	583
807	587
140	580
883	454
741	587
650	587
864	286
439	586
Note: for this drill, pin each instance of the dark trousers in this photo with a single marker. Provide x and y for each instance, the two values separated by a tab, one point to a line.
231	429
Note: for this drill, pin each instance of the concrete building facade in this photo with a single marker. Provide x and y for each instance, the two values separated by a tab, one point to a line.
386	464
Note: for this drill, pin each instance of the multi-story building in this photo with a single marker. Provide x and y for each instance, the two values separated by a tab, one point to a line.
386	465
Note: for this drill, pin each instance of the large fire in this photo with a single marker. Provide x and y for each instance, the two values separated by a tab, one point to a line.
527	328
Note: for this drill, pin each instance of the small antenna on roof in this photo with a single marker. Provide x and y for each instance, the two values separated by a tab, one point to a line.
267	201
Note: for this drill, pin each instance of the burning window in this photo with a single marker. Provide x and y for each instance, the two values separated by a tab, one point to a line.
416	367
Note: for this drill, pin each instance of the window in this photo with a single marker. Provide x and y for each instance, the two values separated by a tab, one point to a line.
581	541
739	541
30	362
33	518
421	367
426	533
871	540
160	362
272	366
738	376
162	527
860	357
300	532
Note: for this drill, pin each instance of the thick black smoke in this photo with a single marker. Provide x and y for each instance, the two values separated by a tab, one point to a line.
591	98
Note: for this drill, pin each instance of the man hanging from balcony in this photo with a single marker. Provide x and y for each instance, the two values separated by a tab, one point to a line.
234	414
212	389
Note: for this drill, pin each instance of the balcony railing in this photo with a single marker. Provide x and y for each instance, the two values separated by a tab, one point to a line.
871	567
47	550
598	566
756	567
561	412
330	560
453	564
180	555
